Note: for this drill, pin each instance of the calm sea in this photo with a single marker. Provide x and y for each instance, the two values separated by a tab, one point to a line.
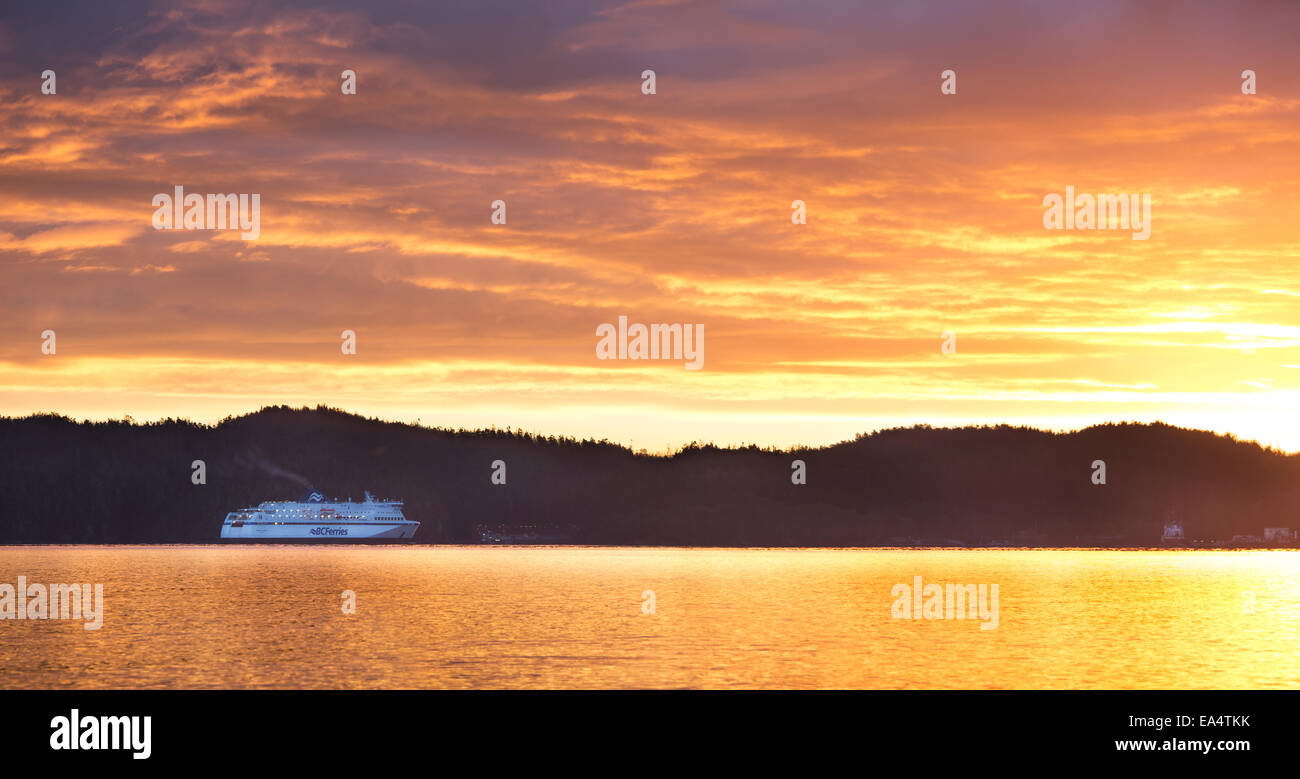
509	617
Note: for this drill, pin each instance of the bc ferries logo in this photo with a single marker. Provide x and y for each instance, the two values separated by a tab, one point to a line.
329	531
315	497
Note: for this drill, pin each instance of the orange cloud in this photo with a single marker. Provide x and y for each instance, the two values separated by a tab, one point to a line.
924	216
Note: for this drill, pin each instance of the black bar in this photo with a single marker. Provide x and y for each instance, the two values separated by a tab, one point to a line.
439	730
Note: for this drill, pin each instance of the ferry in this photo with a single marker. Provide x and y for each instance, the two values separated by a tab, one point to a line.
315	519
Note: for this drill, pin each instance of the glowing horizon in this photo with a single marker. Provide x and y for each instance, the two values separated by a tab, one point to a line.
924	215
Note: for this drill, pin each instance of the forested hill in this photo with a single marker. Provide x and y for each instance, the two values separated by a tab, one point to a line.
118	482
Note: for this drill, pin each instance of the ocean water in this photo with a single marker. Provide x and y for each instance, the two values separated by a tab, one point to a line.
575	617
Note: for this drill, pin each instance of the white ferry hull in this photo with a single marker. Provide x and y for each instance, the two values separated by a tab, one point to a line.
360	533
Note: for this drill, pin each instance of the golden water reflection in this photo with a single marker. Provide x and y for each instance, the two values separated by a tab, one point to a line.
564	617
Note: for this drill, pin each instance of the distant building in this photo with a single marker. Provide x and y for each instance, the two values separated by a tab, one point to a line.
1173	532
1279	534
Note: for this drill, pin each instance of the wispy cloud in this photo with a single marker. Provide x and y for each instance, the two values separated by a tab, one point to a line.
924	211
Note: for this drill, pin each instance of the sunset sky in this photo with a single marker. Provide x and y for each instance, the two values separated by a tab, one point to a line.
924	214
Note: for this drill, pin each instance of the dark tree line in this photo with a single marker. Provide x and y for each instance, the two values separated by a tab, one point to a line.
119	482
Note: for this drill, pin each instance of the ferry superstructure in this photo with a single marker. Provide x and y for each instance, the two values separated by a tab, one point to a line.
315	519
